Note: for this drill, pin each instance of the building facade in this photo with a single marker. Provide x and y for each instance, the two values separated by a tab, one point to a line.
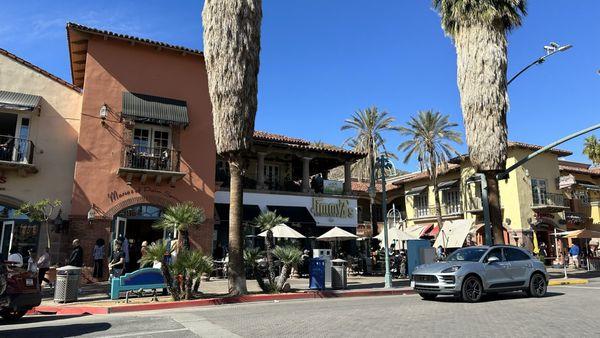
146	138
39	124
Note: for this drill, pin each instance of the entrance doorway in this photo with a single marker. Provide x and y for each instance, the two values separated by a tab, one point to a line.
134	226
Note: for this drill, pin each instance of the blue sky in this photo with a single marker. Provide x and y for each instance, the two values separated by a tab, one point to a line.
322	60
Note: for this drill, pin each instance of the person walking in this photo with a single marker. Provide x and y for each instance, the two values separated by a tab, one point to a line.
117	261
76	258
143	252
32	262
574	253
43	264
98	256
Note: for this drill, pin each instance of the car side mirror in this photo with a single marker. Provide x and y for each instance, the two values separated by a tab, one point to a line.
493	259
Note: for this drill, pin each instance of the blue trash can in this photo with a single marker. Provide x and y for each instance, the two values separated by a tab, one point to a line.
317	274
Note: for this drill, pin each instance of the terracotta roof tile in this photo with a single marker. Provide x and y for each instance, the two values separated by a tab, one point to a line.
300	144
559	152
262	135
419	175
363	186
579	168
38	69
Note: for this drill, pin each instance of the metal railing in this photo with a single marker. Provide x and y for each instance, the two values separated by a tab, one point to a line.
474	203
150	158
447	210
549	199
18	150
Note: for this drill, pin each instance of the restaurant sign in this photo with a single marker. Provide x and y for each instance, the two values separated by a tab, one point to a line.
339	209
566	181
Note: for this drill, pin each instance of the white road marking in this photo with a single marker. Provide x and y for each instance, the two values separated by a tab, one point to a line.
143	333
201	326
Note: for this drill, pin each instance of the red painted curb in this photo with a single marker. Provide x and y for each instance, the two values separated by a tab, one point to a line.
83	310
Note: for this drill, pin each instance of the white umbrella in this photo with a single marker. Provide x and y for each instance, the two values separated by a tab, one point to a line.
283	231
395	234
336	234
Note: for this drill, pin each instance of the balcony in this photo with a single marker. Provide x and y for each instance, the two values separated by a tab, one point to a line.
146	163
545	202
17	154
448	211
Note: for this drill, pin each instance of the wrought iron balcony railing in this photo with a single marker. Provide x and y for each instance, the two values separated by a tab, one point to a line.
447	210
17	150
151	158
546	199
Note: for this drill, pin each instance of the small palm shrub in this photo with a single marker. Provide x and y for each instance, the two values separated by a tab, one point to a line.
289	256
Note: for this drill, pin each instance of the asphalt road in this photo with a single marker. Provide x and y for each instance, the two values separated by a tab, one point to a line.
566	311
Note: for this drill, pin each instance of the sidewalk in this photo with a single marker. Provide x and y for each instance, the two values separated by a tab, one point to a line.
93	298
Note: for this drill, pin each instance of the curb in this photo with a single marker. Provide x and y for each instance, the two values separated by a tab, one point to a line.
568	281
95	310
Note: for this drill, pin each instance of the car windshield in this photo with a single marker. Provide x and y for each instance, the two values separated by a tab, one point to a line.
467	255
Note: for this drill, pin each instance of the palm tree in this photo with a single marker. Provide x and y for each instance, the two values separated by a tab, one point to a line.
289	256
591	148
369	126
266	221
429	136
251	256
231	49
191	265
478	29
180	217
159	251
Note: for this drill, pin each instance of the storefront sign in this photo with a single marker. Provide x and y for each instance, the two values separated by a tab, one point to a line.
115	196
566	181
333	187
341	209
3	179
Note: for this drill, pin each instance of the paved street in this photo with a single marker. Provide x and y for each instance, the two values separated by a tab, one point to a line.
505	315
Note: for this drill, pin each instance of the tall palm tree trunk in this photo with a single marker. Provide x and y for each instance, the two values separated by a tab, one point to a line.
436	193
372	182
236	272
481	63
270	265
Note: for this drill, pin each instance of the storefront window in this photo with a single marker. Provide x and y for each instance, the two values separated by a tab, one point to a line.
141	212
16	232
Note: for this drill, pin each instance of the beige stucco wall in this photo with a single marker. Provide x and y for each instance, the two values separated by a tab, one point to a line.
54	134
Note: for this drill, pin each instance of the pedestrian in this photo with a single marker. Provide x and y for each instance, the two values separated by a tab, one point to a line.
76	258
144	252
574	253
43	264
117	260
440	253
32	262
15	258
98	256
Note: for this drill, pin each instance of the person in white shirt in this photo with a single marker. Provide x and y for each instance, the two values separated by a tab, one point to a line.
15	258
43	264
32	262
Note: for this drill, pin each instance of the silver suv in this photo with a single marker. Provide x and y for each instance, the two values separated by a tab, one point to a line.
470	272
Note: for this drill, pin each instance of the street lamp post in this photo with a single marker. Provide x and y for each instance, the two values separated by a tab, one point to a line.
383	164
551	49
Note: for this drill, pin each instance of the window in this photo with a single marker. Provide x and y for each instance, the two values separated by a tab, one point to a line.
151	139
271	172
582	195
539	191
467	255
451	201
420	203
515	255
495	252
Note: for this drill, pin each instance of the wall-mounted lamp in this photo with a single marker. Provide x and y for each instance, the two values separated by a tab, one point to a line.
103	113
91	215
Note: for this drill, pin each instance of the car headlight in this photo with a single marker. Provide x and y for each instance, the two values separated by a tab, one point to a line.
451	269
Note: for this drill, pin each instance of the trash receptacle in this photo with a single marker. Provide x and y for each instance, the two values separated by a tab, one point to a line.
67	284
317	274
339	276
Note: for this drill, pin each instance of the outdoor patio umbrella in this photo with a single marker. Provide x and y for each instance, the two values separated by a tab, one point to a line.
395	234
335	235
283	231
585	233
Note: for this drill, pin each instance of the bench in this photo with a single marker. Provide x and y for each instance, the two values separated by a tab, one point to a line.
146	278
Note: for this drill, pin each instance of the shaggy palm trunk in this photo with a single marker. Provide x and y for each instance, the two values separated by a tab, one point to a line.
259	279
436	194
269	249
372	185
189	280
481	63
285	274
173	289
184	240
236	272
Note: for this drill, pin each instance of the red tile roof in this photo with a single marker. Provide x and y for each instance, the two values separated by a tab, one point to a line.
363	186
38	69
419	175
559	152
300	144
578	168
262	135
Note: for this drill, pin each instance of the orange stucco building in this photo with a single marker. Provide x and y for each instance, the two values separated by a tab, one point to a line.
146	137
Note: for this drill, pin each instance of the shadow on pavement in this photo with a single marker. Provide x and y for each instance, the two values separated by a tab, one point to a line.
495	297
69	330
39	318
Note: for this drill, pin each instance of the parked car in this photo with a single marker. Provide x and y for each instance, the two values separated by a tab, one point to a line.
471	272
19	291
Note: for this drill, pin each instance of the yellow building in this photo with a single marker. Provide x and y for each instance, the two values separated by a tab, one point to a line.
530	198
39	125
581	185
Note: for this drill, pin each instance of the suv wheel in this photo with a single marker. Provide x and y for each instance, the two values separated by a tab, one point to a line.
428	296
537	286
12	314
472	290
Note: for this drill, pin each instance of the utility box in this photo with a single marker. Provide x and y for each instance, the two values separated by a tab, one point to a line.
67	284
339	274
325	254
316	274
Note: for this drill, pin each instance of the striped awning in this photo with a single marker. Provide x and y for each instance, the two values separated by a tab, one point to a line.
18	101
148	108
416	190
447	185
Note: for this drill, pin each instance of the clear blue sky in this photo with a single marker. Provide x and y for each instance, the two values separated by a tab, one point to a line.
322	60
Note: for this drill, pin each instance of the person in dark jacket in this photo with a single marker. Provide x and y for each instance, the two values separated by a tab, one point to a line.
76	258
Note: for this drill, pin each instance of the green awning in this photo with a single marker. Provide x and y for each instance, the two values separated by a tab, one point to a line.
19	101
155	109
447	185
416	190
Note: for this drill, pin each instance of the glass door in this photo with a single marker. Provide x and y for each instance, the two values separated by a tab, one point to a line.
22	144
6	238
120	227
